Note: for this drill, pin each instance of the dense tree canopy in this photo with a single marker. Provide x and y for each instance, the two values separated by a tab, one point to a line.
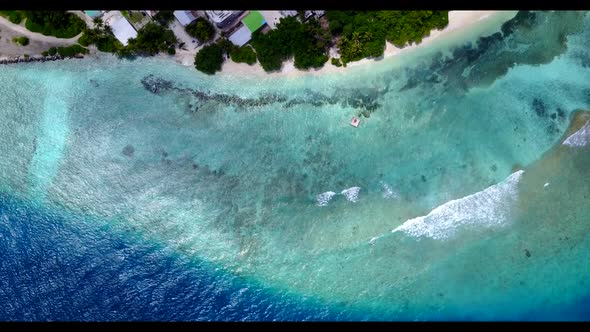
102	36
201	29
60	24
14	16
363	34
291	38
152	39
243	54
164	17
209	59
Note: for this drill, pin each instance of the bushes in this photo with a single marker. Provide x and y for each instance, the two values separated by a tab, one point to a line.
336	62
109	44
24	41
60	24
209	59
269	51
201	29
151	39
164	17
14	16
102	37
171	51
243	54
70	51
363	34
85	39
303	41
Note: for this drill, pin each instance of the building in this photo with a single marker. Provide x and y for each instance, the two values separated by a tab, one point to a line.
254	20
185	17
289	13
122	29
241	36
223	18
250	24
319	13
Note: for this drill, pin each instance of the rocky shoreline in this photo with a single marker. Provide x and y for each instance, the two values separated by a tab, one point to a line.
38	59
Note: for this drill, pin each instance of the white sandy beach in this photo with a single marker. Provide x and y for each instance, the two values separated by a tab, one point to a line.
458	21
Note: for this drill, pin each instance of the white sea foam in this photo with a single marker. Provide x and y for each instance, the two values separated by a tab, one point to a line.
324	198
580	137
375	238
351	194
487	208
388	191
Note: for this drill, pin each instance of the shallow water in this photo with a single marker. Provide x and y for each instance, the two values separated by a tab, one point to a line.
264	185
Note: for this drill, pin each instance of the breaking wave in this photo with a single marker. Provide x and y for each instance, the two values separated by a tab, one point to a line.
485	208
580	137
351	194
324	198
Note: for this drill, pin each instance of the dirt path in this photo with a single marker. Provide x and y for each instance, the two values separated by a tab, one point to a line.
37	42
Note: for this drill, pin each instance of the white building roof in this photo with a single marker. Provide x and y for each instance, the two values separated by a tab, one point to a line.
218	16
185	17
319	13
241	36
289	12
122	29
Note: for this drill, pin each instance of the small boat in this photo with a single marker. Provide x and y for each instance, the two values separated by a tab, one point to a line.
355	122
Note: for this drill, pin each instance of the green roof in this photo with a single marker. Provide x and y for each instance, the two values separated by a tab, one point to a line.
254	20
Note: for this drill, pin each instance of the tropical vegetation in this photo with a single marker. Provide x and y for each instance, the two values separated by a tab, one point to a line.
21	40
59	24
209	59
362	34
201	29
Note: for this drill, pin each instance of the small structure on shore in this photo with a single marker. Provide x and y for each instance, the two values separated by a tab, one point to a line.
355	121
241	36
122	29
185	17
223	18
254	21
250	24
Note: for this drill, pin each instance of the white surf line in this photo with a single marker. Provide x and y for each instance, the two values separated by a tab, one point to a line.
486	208
324	198
351	194
579	138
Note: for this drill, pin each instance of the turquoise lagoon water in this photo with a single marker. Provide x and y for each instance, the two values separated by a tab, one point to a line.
454	199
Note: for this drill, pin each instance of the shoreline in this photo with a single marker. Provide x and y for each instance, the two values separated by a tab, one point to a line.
458	21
